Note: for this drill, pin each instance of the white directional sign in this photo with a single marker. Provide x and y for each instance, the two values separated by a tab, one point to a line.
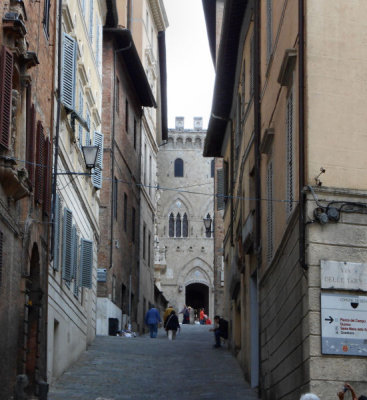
344	324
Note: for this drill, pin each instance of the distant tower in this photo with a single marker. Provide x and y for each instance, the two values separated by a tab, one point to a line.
184	269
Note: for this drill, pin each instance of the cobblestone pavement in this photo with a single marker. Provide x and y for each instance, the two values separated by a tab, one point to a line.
141	368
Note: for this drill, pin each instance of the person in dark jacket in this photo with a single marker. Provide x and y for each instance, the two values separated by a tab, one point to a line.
220	330
172	325
152	319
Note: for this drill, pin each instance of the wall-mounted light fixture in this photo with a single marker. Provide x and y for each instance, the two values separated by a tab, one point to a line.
208	224
90	157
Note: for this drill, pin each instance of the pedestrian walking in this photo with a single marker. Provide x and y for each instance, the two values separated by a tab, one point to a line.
152	319
220	330
202	316
186	315
166	314
172	325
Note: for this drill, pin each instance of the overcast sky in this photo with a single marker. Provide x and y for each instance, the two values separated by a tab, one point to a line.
190	71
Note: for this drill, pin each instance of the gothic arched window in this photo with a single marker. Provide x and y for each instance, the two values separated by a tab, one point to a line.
171	228
185	226
179	167
178	225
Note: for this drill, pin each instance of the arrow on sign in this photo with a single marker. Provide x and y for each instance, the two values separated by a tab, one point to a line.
330	319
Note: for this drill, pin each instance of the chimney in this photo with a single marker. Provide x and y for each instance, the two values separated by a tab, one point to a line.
180	123
198	123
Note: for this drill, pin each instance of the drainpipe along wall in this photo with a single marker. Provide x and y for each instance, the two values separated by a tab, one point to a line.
257	128
301	128
57	128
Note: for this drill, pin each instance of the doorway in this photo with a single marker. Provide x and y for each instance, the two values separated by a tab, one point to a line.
34	295
197	297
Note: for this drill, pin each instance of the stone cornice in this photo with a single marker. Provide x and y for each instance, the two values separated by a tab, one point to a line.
159	14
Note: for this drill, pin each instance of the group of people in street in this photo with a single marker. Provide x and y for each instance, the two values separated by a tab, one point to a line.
341	394
171	323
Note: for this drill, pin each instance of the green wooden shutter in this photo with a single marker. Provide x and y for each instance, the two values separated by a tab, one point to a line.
69	50
86	263
67	248
75	262
6	85
57	222
97	175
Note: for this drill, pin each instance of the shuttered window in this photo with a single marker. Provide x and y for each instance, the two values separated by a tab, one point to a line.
83	7
57	222
87	134
91	17
69	51
67	246
30	140
1	257
40	164
47	178
220	189
75	273
81	113
290	150
270	212
46	17
6	83
171	226
269	28
86	263
97	172
225	181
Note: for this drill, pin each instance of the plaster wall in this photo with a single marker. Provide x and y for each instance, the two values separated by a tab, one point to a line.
336	80
105	310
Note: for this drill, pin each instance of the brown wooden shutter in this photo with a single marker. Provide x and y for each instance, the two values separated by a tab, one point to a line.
6	83
31	129
47	178
40	164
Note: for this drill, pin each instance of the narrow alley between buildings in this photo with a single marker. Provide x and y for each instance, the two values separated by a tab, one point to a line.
115	368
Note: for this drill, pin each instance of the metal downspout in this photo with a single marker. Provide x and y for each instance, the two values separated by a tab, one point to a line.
257	128
57	128
301	113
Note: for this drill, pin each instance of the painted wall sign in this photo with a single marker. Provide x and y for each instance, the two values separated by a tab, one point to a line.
344	324
343	275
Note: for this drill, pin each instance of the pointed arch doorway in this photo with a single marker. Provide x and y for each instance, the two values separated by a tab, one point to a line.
197	297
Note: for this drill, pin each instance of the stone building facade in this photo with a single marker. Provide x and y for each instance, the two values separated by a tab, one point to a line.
27	33
287	118
72	289
184	263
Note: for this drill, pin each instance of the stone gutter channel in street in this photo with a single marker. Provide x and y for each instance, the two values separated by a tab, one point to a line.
116	368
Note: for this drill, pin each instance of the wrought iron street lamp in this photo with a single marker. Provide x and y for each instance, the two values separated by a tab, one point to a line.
90	155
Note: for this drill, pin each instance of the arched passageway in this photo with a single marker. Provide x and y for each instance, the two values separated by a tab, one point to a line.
197	296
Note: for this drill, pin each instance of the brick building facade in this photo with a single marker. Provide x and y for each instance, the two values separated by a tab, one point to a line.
27	33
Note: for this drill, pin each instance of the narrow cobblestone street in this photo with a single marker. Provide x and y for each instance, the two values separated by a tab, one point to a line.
117	368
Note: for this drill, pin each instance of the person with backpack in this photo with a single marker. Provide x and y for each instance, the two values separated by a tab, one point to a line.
172	325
